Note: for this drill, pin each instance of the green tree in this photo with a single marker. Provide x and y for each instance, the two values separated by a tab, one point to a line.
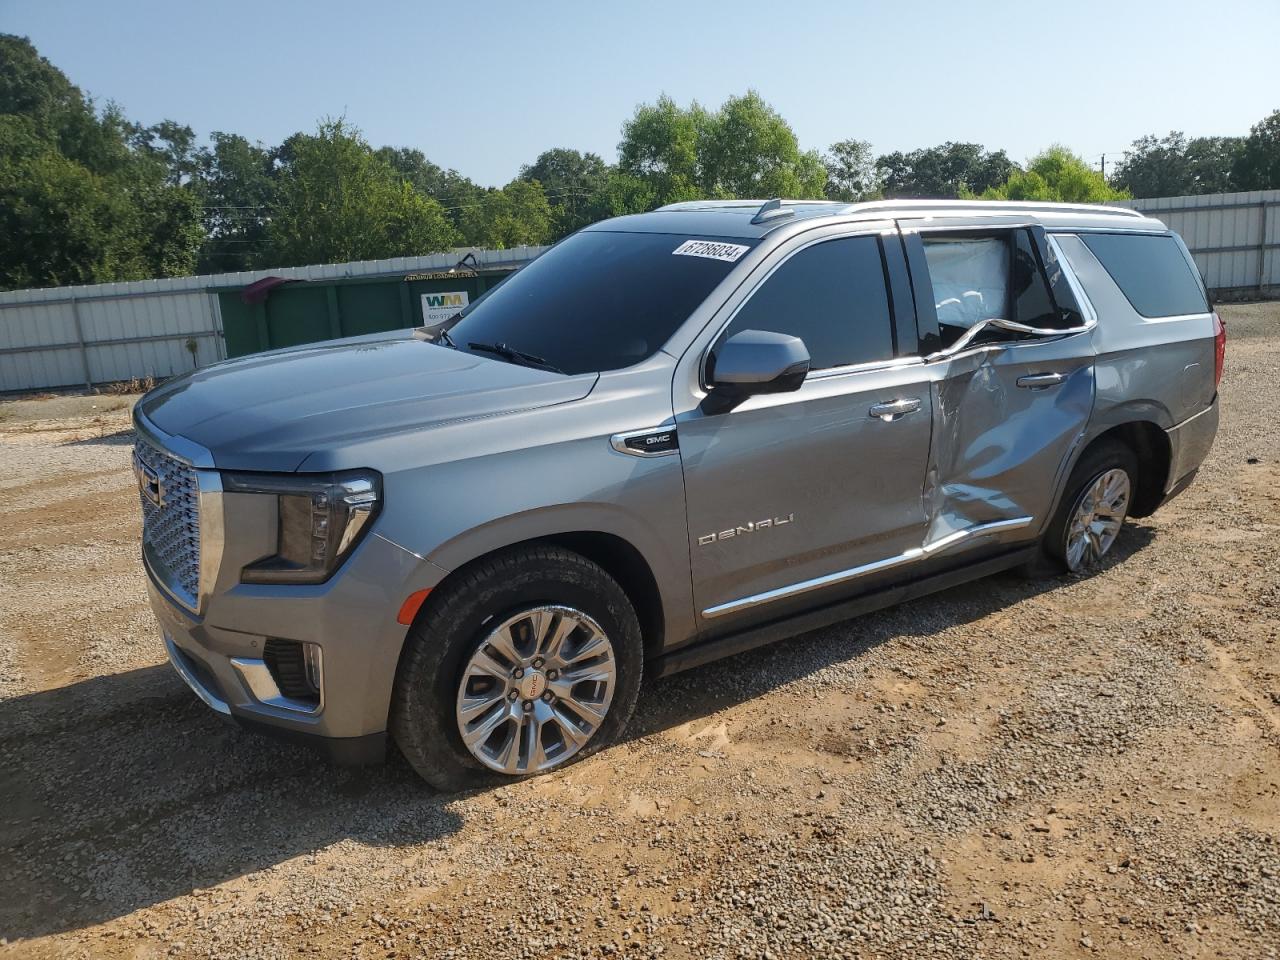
1258	165
454	192
86	196
851	171
622	194
238	182
1175	166
1057	174
516	215
337	200
1212	161
946	171
744	149
660	145
59	113
173	146
570	179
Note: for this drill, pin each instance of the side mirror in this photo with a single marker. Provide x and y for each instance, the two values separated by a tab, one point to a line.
751	362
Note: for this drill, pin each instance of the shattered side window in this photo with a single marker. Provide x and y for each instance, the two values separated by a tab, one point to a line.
970	278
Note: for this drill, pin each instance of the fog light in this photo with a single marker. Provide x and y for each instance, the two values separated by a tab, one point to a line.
296	668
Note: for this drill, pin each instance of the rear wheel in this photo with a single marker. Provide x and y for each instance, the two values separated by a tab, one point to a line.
528	661
1092	513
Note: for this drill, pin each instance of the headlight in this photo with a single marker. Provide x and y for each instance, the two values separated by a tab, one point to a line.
321	519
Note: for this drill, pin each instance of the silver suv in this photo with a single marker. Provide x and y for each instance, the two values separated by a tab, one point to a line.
672	437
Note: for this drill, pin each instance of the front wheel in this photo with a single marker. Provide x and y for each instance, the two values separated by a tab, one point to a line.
529	660
1092	512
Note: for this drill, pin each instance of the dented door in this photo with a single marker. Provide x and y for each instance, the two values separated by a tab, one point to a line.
1005	419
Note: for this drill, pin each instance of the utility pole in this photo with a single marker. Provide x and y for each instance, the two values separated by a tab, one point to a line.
1104	166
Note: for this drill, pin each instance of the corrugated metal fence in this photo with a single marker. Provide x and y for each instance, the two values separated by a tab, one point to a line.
108	332
73	336
1234	237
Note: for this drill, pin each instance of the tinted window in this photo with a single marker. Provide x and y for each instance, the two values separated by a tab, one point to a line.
1064	297
1151	271
597	301
833	297
1032	304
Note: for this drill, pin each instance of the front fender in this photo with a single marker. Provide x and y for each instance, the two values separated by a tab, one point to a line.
454	513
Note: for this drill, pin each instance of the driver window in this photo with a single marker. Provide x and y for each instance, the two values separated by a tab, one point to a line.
832	296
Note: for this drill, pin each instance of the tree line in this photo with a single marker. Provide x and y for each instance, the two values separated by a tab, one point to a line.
89	196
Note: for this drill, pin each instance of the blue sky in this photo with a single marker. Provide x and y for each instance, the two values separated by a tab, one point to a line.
485	85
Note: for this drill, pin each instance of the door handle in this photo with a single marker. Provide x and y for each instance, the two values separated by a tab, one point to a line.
892	410
1041	381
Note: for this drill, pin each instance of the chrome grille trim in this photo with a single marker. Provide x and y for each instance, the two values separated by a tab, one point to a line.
171	526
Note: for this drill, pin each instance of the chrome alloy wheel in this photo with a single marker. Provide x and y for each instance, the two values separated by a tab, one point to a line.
1096	520
536	690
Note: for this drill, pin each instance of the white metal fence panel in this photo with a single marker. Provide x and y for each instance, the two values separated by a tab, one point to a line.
1234	237
76	336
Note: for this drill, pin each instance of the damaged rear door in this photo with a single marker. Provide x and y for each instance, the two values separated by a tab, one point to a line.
1008	406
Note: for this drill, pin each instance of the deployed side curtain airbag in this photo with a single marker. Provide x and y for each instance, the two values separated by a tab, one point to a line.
970	279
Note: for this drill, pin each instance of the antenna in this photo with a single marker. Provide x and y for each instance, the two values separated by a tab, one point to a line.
771	210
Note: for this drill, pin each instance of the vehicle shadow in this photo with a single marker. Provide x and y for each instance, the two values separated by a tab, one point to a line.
124	791
686	696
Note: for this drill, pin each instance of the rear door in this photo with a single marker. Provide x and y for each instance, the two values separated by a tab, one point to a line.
791	494
1007	408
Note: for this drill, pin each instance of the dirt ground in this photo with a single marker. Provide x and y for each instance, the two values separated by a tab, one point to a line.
1078	768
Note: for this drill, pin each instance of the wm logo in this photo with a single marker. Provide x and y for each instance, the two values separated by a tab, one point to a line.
444	300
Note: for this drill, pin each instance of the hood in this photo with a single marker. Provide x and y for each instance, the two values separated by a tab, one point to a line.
269	412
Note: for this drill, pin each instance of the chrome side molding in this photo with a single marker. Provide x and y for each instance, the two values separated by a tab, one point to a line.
843	576
999	323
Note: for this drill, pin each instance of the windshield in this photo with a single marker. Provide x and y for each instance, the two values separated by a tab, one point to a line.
599	300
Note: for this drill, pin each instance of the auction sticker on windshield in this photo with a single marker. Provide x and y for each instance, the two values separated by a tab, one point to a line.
728	252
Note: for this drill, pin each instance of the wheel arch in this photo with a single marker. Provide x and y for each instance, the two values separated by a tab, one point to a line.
1151	445
617	555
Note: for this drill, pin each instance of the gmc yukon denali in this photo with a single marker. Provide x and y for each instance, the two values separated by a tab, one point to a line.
673	436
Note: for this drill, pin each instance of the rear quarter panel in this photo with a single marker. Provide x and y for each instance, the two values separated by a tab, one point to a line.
1156	369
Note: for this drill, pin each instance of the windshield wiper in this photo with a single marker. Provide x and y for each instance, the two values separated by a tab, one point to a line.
513	355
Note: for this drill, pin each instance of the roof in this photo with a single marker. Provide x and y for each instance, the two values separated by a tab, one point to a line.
756	218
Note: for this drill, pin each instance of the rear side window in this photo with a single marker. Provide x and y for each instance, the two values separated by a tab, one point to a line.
1151	271
984	276
970	278
833	297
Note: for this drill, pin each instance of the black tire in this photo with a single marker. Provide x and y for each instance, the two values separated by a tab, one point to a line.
454	621
1097	460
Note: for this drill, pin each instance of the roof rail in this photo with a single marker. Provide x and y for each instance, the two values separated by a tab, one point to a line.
1031	206
771	210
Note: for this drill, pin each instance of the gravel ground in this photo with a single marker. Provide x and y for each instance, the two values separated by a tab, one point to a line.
1083	767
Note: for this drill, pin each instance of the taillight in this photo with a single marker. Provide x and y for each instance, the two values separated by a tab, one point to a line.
1219	348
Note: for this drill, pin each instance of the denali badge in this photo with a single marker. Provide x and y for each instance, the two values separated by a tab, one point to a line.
745	529
148	481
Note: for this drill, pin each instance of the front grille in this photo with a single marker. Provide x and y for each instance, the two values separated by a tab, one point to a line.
171	526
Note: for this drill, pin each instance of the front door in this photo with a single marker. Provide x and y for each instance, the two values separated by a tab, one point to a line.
789	494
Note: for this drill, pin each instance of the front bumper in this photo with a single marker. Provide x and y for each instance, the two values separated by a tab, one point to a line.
219	652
